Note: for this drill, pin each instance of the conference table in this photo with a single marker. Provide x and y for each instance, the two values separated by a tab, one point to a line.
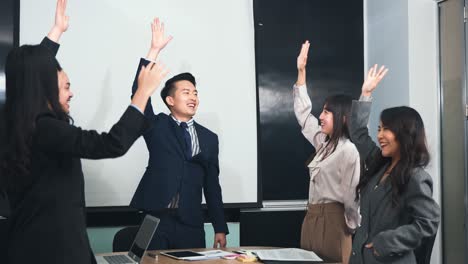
161	259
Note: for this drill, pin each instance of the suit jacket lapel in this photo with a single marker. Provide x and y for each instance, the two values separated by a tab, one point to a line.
202	140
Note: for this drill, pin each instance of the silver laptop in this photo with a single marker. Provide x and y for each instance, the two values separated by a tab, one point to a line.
139	246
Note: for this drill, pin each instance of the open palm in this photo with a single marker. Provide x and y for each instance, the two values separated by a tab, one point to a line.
159	40
151	76
61	20
373	79
302	58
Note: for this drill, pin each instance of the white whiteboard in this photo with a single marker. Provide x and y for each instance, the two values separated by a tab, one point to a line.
213	39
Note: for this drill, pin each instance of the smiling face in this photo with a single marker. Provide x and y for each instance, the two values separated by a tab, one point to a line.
388	143
184	102
65	94
326	121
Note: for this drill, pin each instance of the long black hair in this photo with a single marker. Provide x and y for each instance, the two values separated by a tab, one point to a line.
31	89
408	127
340	106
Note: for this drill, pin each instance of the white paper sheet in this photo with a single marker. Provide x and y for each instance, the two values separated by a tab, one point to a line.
287	254
209	254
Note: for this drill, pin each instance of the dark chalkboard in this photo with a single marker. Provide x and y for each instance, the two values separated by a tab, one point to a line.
9	32
335	65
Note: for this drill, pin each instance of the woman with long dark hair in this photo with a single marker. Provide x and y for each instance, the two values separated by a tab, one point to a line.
332	213
40	165
395	192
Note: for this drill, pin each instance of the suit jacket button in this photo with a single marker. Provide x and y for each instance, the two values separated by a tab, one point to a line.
354	253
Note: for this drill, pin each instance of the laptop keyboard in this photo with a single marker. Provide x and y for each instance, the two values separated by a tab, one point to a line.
118	259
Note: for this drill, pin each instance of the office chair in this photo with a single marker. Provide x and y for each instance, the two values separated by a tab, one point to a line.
123	239
424	251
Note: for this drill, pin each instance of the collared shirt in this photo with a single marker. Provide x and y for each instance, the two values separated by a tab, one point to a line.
193	134
333	178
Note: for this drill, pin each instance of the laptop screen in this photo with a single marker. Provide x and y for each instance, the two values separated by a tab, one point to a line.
143	237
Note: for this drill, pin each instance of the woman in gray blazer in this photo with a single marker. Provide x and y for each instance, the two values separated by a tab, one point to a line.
395	192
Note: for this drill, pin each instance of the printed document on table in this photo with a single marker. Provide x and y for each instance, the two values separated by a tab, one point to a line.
209	254
287	254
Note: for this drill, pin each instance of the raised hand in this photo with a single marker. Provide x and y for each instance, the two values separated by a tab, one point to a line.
302	58
151	76
61	21
373	79
159	40
301	64
149	79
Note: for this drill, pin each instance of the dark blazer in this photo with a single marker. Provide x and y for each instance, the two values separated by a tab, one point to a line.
48	220
395	231
169	172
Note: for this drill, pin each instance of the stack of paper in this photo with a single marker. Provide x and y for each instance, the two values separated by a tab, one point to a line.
287	254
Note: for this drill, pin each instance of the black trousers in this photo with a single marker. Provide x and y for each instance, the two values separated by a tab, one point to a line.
173	234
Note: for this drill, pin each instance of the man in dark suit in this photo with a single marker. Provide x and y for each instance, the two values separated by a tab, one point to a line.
183	161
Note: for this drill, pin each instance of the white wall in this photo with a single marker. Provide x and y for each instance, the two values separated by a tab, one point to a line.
402	35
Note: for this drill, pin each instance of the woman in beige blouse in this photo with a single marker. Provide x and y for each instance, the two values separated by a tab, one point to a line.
333	212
